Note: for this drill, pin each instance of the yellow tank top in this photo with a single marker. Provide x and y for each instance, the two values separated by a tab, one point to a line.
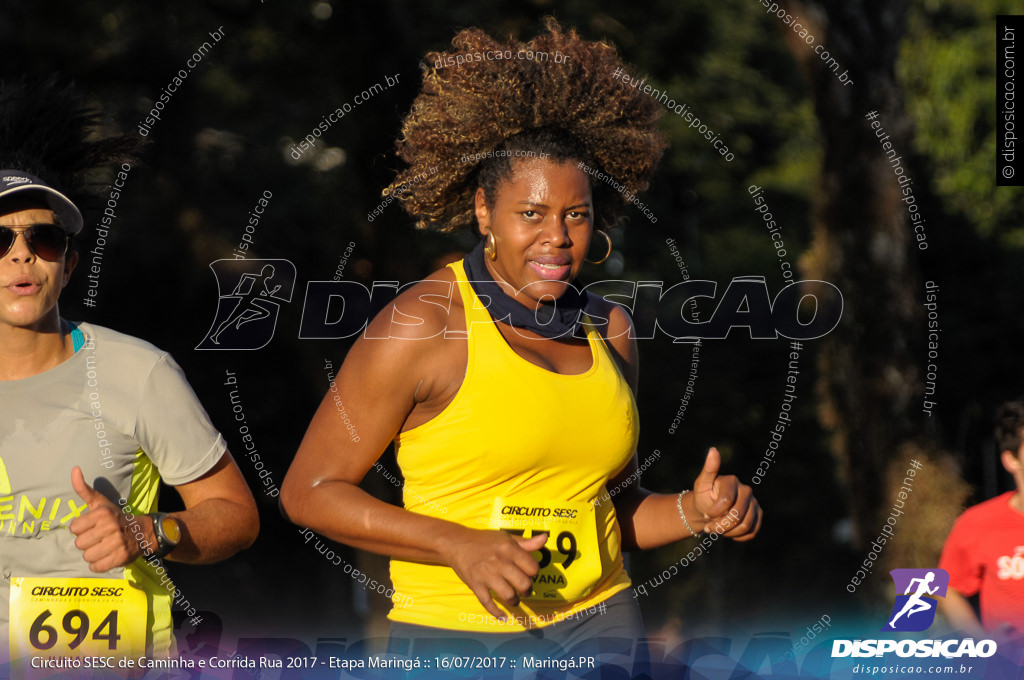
520	447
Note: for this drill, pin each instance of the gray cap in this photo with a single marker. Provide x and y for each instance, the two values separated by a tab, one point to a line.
12	181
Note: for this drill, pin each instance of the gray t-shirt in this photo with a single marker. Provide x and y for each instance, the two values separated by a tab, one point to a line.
122	410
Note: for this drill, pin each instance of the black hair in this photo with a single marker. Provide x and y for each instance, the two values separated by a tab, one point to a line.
1009	425
48	130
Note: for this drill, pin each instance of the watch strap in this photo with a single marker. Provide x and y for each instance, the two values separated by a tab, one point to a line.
164	544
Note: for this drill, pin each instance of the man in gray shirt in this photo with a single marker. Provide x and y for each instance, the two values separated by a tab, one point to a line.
92	421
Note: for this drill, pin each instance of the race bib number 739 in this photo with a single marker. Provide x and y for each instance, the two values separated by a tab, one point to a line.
570	561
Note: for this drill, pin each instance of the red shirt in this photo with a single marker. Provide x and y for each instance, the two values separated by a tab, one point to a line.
985	553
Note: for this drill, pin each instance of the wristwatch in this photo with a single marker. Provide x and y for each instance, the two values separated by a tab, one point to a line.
167	531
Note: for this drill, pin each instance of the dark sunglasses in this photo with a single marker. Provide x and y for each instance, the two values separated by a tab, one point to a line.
48	241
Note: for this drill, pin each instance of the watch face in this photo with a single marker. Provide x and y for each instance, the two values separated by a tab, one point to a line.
171	530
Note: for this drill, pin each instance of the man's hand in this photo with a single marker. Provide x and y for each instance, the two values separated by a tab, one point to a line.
101	532
727	507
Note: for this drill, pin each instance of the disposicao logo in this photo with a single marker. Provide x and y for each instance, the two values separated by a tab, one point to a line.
251	294
914	611
915	608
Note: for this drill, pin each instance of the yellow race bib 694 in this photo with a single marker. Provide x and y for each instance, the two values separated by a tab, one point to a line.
570	564
76	617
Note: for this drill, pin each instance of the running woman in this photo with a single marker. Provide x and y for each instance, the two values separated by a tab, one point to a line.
509	395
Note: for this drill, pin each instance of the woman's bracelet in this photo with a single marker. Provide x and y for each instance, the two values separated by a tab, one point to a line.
679	504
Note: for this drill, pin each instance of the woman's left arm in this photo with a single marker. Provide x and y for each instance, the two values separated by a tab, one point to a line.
717	504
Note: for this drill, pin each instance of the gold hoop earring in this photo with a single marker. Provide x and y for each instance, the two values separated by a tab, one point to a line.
607	254
490	248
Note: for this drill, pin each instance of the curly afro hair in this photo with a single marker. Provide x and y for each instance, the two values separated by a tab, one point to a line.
474	113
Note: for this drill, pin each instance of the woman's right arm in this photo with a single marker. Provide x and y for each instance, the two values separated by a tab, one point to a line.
390	370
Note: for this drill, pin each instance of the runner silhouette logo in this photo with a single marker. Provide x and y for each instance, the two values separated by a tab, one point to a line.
250	297
915	608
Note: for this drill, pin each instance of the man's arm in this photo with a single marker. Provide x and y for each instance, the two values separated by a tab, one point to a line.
220	516
219	519
960	614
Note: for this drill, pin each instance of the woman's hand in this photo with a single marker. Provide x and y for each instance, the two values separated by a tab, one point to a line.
495	563
726	506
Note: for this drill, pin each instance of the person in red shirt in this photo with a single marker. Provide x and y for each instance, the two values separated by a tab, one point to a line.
984	553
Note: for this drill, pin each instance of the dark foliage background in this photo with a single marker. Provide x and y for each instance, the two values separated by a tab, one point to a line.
224	139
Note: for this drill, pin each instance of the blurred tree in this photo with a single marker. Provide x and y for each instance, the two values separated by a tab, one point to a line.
873	365
227	133
948	65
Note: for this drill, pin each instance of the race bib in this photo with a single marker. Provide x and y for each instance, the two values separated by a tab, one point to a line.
570	562
76	617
